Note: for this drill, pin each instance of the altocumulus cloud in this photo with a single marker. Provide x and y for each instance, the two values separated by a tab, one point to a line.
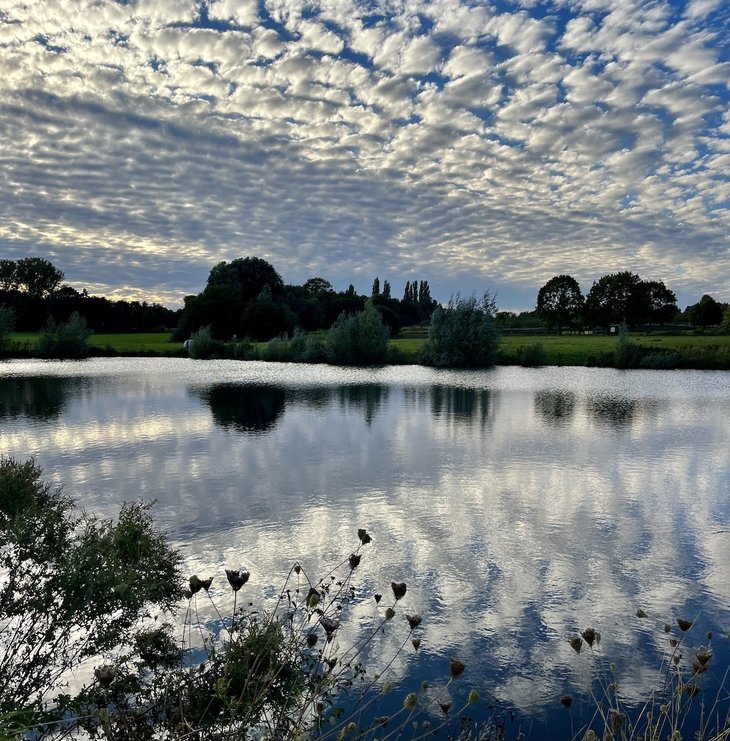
473	144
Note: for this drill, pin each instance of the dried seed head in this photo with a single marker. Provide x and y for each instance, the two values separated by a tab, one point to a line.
691	689
354	560
187	594
576	643
389	613
456	667
377	598
205	583
195	583
414	621
105	674
364	537
416	643
567	700
641	613
331	663
387	687
673	642
382	720
313	598
591	636
698	667
329	625
473	697
445	707
312	639
237	578
399	589
297	568
709	635
411	701
684	624
667	627
616	718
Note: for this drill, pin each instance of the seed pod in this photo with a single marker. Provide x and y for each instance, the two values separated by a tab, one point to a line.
237	578
399	589
364	537
354	560
414	621
411	701
416	643
389	613
195	583
473	697
567	700
445	707
576	643
312	639
313	598
456	667
683	624
105	674
377	598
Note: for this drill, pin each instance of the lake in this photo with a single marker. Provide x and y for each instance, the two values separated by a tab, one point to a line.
520	506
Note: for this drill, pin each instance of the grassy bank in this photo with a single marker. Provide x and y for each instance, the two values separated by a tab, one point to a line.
692	351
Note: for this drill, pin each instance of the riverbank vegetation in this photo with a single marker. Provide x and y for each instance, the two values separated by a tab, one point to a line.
691	351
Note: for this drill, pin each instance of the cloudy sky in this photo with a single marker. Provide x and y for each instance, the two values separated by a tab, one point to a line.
473	144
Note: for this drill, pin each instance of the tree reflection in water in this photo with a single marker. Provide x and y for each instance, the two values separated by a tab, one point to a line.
248	409
41	398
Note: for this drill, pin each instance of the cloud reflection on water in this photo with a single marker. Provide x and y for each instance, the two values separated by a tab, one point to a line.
520	506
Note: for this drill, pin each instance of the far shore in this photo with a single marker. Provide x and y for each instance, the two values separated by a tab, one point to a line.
694	351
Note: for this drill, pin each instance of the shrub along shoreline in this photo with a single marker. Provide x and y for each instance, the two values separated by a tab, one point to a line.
685	351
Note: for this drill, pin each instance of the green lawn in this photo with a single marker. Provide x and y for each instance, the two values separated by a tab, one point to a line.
158	343
701	351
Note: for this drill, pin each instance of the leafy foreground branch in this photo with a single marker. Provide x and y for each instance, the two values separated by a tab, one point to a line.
77	591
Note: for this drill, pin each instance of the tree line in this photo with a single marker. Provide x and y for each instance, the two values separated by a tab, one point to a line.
32	291
248	298
620	299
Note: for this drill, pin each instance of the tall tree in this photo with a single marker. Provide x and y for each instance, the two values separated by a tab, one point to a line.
376	287
317	285
618	298
231	287
707	312
38	276
386	289
662	302
560	301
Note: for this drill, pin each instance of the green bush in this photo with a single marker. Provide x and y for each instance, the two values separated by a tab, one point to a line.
531	356
76	586
64	339
358	339
242	350
463	334
202	345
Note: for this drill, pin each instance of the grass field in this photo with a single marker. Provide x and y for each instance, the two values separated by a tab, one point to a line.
150	343
702	351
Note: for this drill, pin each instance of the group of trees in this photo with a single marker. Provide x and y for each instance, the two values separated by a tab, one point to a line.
248	298
33	291
619	298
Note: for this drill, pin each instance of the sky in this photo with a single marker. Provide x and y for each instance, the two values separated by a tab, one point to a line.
476	145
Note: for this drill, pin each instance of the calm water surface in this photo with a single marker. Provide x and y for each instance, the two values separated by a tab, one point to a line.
519	505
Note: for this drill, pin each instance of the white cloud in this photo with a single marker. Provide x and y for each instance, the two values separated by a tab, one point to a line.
496	118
